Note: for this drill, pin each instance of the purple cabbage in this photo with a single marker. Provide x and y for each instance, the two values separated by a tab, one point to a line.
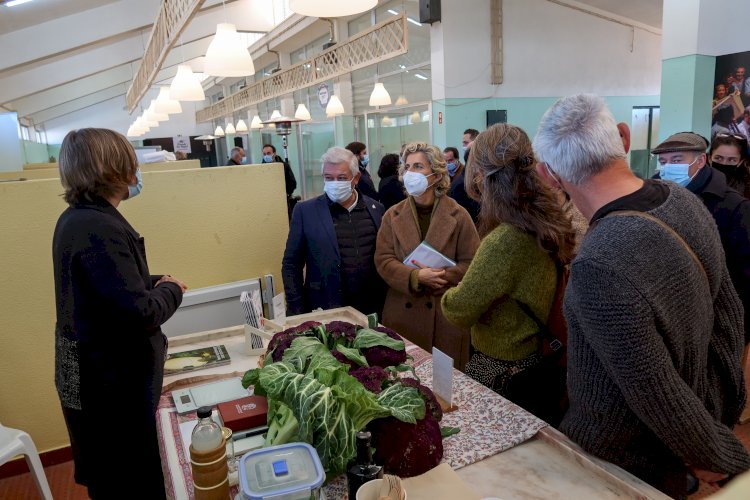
384	356
372	377
407	450
430	401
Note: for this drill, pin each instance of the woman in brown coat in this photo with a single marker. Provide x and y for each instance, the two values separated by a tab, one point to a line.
412	306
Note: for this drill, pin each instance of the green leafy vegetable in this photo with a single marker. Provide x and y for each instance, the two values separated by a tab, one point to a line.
352	355
370	338
449	431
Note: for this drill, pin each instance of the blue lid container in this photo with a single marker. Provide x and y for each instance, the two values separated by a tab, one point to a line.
289	471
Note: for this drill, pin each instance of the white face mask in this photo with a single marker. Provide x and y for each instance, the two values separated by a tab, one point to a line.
416	183
338	191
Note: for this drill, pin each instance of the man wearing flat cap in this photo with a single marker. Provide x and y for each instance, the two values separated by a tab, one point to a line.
682	159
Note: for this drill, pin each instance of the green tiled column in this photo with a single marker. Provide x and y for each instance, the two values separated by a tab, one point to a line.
686	93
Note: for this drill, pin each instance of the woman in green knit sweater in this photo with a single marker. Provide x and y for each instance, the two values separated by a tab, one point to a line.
526	236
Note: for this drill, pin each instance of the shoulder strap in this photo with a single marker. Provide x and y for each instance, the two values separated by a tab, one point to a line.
667	228
554	343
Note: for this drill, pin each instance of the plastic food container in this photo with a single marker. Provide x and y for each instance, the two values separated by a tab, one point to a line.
288	472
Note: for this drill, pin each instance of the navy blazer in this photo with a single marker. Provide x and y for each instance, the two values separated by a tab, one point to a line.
312	247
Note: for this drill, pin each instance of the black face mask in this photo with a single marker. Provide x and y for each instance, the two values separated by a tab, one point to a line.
728	170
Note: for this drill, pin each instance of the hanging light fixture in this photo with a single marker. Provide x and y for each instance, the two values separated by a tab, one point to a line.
241	126
219	132
153	115
229	129
415	117
302	113
256	123
334	107
148	121
380	96
140	126
330	8
386	122
226	55
401	101
166	105
185	86
275	115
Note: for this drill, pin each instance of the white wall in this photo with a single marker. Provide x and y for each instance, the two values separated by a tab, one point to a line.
548	50
706	27
112	114
10	146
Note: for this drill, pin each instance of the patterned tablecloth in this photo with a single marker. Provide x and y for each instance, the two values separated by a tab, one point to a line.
489	424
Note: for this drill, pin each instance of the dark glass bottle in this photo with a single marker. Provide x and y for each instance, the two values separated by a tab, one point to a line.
362	469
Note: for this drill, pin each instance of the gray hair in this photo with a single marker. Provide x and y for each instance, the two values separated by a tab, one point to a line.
578	138
336	155
234	150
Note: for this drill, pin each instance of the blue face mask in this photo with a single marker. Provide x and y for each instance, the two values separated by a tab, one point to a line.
452	168
135	189
677	172
267	159
365	160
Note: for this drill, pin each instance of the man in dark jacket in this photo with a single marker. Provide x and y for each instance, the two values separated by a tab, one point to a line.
236	157
270	156
366	185
683	159
329	256
458	191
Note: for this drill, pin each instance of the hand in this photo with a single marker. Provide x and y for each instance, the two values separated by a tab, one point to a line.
168	278
430	277
708	476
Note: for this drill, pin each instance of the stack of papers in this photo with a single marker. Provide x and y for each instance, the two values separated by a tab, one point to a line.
428	256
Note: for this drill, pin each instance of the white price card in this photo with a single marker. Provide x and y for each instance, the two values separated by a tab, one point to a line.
442	376
279	307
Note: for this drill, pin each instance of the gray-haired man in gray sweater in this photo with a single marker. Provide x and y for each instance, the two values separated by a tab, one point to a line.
654	324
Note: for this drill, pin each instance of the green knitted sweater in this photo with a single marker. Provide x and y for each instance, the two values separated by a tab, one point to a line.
508	266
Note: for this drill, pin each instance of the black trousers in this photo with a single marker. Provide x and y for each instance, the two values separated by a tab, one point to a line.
116	452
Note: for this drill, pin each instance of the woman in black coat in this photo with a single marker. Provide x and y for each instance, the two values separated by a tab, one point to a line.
390	189
109	348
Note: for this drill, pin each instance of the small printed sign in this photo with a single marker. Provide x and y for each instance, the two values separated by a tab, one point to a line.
442	376
182	144
324	95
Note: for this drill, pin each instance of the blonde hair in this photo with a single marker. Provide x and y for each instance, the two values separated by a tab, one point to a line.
436	160
95	162
500	175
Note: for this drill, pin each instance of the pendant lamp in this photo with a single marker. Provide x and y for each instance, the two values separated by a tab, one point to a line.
166	105
185	86
334	107
229	129
227	55
401	101
256	123
415	117
302	113
140	126
219	132
150	123
330	8
241	126
275	114
386	121
380	96
153	115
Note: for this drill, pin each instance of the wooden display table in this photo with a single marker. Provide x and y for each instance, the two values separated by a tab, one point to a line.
539	463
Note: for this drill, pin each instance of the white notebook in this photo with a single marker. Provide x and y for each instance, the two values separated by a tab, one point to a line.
428	256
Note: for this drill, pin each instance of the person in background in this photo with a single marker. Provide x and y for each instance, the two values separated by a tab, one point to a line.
740	84
180	155
328	261
290	182
744	125
390	189
724	123
729	155
458	188
453	163
236	157
412	305
109	348
510	285
366	186
654	342
682	159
